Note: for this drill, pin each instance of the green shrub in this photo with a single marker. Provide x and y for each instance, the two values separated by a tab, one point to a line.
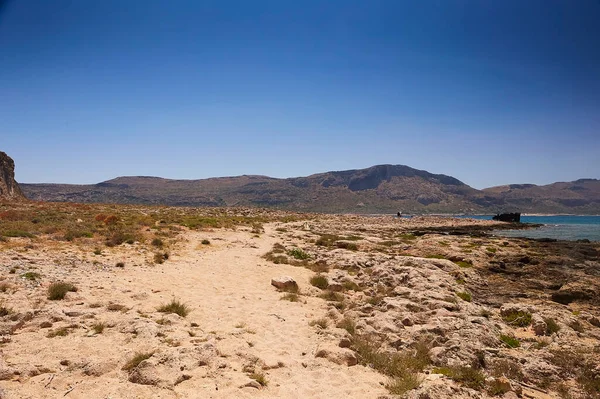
465	296
589	380
58	290
299	254
511	342
319	281
59	332
551	326
402	384
117	238
409	237
31	276
464	264
350	286
327	240
175	306
158	243
73	234
518	318
332	296
18	233
468	376
396	364
205	242
347	324
277	259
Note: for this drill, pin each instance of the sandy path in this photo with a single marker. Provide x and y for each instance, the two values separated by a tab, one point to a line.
227	284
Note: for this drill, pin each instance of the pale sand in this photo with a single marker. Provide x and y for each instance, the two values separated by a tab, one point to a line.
227	284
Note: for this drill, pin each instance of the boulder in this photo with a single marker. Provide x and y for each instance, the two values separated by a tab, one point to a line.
574	292
337	355
284	283
539	325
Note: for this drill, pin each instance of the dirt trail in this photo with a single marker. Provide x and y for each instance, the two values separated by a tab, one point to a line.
227	285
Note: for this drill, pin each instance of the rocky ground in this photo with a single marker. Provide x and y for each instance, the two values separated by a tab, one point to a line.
308	306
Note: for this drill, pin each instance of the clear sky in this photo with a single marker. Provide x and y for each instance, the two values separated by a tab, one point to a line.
490	92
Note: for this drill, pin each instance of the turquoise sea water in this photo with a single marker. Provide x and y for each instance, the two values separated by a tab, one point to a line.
561	227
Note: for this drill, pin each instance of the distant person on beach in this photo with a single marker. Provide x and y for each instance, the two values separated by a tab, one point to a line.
399	214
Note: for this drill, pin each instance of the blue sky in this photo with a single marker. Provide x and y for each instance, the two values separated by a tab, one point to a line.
489	92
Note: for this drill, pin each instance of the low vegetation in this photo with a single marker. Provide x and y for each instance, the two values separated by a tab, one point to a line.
160	257
467	376
551	326
319	281
58	290
464	264
99	327
175	306
33	276
511	342
136	360
465	296
347	324
321	323
290	296
298	253
517	318
402	367
260	378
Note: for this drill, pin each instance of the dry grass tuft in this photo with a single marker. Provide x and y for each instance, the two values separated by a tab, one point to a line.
57	291
136	360
319	281
290	296
175	306
321	323
99	327
260	378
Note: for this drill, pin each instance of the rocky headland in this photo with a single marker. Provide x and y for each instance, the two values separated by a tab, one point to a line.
9	188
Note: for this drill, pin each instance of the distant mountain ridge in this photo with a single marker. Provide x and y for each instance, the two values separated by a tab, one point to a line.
378	189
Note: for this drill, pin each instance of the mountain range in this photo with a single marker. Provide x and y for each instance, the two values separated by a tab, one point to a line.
378	189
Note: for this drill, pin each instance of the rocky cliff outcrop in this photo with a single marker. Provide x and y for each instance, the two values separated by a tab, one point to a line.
9	188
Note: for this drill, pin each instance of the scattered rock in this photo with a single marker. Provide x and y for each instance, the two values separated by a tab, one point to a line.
252	384
284	283
337	355
337	287
574	292
539	325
